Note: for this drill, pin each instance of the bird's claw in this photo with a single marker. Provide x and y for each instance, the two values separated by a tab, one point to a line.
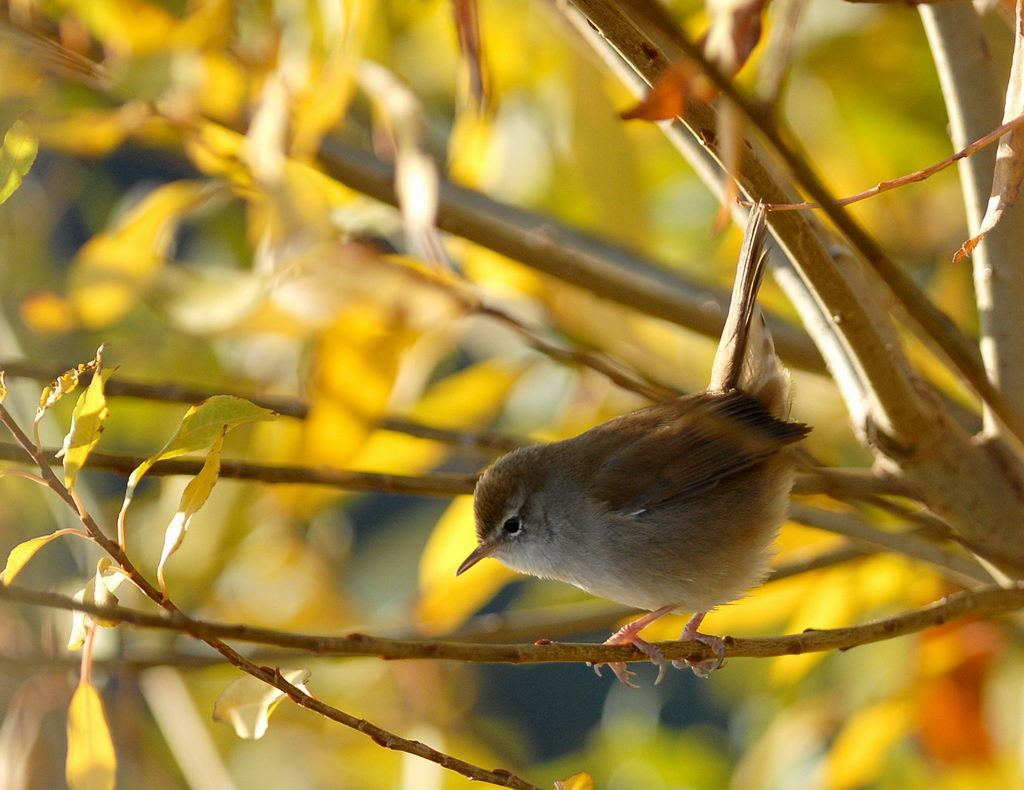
619	668
703	669
620	671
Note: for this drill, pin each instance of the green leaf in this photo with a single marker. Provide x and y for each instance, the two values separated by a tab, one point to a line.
87	421
91	762
199	428
23	552
17	154
192	499
247	703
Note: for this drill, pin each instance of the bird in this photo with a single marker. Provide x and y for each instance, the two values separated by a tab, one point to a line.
670	508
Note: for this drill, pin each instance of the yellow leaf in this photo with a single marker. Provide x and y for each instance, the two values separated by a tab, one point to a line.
128	26
446	600
87	421
47	313
576	782
217	151
113	268
463	400
192	498
91	132
64	384
859	751
247	703
199	428
100	591
357	362
17	153
3	387
23	552
224	86
91	762
416	177
830	603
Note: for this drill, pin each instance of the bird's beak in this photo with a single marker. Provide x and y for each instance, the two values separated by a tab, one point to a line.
481	551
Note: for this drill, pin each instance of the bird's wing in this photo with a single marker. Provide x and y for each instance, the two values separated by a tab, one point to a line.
678	450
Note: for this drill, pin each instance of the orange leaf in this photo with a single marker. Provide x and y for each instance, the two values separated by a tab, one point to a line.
667	98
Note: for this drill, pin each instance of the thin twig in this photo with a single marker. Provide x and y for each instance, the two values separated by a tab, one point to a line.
443	485
910	178
903	420
120	386
906	543
271	676
960	350
980	601
972	88
544	244
837	483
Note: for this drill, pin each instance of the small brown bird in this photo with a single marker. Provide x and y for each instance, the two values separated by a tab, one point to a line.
671	508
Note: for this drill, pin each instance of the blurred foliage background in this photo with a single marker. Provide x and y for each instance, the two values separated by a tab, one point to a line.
177	211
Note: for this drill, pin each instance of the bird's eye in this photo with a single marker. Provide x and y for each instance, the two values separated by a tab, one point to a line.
512	525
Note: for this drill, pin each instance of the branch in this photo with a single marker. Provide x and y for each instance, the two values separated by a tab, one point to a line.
546	245
286	406
838	483
964	484
443	485
270	676
959	349
910	178
906	543
974	103
981	601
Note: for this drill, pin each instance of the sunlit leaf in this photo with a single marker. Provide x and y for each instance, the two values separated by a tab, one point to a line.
192	499
17	153
64	384
357	362
23	552
857	756
114	268
464	400
3	387
446	600
87	421
128	26
99	591
47	313
416	177
576	782
91	762
734	33
247	703
199	428
832	604
329	91
92	132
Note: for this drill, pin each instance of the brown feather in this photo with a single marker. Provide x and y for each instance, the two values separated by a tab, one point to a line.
670	452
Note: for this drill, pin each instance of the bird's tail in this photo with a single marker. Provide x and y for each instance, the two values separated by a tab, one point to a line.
746	358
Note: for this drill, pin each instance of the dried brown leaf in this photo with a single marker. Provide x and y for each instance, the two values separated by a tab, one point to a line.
1009	170
667	97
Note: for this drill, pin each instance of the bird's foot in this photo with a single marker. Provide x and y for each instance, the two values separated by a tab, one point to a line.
629	635
702	669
